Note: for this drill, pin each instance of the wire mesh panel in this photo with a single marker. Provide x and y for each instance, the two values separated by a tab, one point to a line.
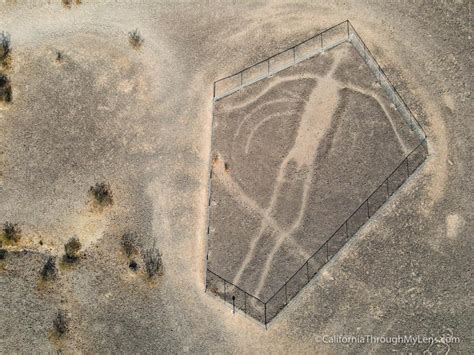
356	41
236	297
398	177
358	219
215	284
276	303
417	157
317	261
297	282
227	85
337	241
378	198
282	60
308	48
335	35
255	73
373	66
255	308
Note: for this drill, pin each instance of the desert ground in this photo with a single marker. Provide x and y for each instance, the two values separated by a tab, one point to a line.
140	120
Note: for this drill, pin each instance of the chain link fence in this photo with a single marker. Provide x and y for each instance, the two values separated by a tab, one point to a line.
264	311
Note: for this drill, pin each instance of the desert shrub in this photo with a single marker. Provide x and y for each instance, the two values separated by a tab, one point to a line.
135	39
59	56
102	193
129	240
5	89
49	271
11	231
5	45
72	248
133	265
3	254
153	261
61	323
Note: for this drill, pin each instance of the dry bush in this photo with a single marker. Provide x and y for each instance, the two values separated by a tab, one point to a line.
5	46
5	89
11	231
133	265
59	56
102	193
135	39
129	241
61	323
49	271
153	261
71	249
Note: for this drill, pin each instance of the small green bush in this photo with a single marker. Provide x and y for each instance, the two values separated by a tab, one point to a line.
5	89
5	45
61	323
102	193
71	249
49	271
153	261
11	231
135	39
129	241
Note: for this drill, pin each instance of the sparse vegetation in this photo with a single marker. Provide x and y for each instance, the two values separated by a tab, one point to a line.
135	39
59	56
5	46
11	231
5	89
71	249
102	193
129	241
49	271
133	265
153	261
68	3
61	323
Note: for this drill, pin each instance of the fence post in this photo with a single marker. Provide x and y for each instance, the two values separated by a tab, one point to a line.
241	78
245	302
286	294
327	251
408	168
368	209
268	67
307	270
347	23
322	46
265	315
294	55
225	292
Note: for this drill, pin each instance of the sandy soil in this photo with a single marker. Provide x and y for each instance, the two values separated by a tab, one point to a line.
146	129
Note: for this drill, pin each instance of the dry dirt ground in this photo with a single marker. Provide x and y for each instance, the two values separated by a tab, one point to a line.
140	120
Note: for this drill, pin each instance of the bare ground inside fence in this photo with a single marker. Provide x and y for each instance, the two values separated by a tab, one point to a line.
294	156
